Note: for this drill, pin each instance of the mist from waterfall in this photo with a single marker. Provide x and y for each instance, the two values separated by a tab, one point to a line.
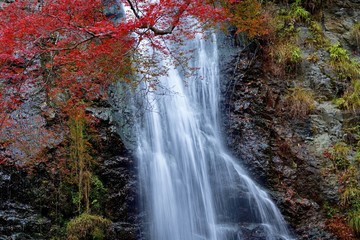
192	188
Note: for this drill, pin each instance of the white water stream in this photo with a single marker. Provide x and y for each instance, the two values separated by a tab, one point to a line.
192	188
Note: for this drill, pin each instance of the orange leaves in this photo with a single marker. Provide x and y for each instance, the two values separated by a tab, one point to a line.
338	226
248	16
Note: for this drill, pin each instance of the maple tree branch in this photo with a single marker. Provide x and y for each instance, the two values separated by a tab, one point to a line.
75	45
133	9
155	30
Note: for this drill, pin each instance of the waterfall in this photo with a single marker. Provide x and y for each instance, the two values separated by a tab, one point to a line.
192	188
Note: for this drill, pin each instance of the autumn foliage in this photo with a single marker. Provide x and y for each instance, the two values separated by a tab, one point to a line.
338	226
248	16
70	51
73	49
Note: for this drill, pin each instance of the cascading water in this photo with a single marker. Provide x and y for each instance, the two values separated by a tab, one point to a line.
192	188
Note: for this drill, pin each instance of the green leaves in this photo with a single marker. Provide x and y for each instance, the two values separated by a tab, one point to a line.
298	12
346	68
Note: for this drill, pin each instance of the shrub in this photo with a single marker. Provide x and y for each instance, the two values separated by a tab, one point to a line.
329	210
347	174
338	226
296	14
313	6
86	226
80	160
346	67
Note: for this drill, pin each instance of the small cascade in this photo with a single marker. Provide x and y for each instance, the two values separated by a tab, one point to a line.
192	188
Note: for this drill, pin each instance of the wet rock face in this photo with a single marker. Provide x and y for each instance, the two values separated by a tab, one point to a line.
32	204
283	152
121	200
340	18
117	170
276	148
19	219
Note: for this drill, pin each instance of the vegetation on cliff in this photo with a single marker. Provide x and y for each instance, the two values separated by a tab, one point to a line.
343	68
69	52
303	52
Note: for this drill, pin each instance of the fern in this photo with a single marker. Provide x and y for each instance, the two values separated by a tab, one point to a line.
298	12
342	63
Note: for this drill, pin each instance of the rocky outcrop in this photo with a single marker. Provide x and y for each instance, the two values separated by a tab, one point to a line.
18	218
35	202
117	170
275	147
281	151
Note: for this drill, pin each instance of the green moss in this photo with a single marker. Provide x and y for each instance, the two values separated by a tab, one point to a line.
338	54
87	226
80	161
338	101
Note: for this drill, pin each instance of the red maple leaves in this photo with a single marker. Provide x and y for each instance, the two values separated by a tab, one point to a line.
71	50
75	48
